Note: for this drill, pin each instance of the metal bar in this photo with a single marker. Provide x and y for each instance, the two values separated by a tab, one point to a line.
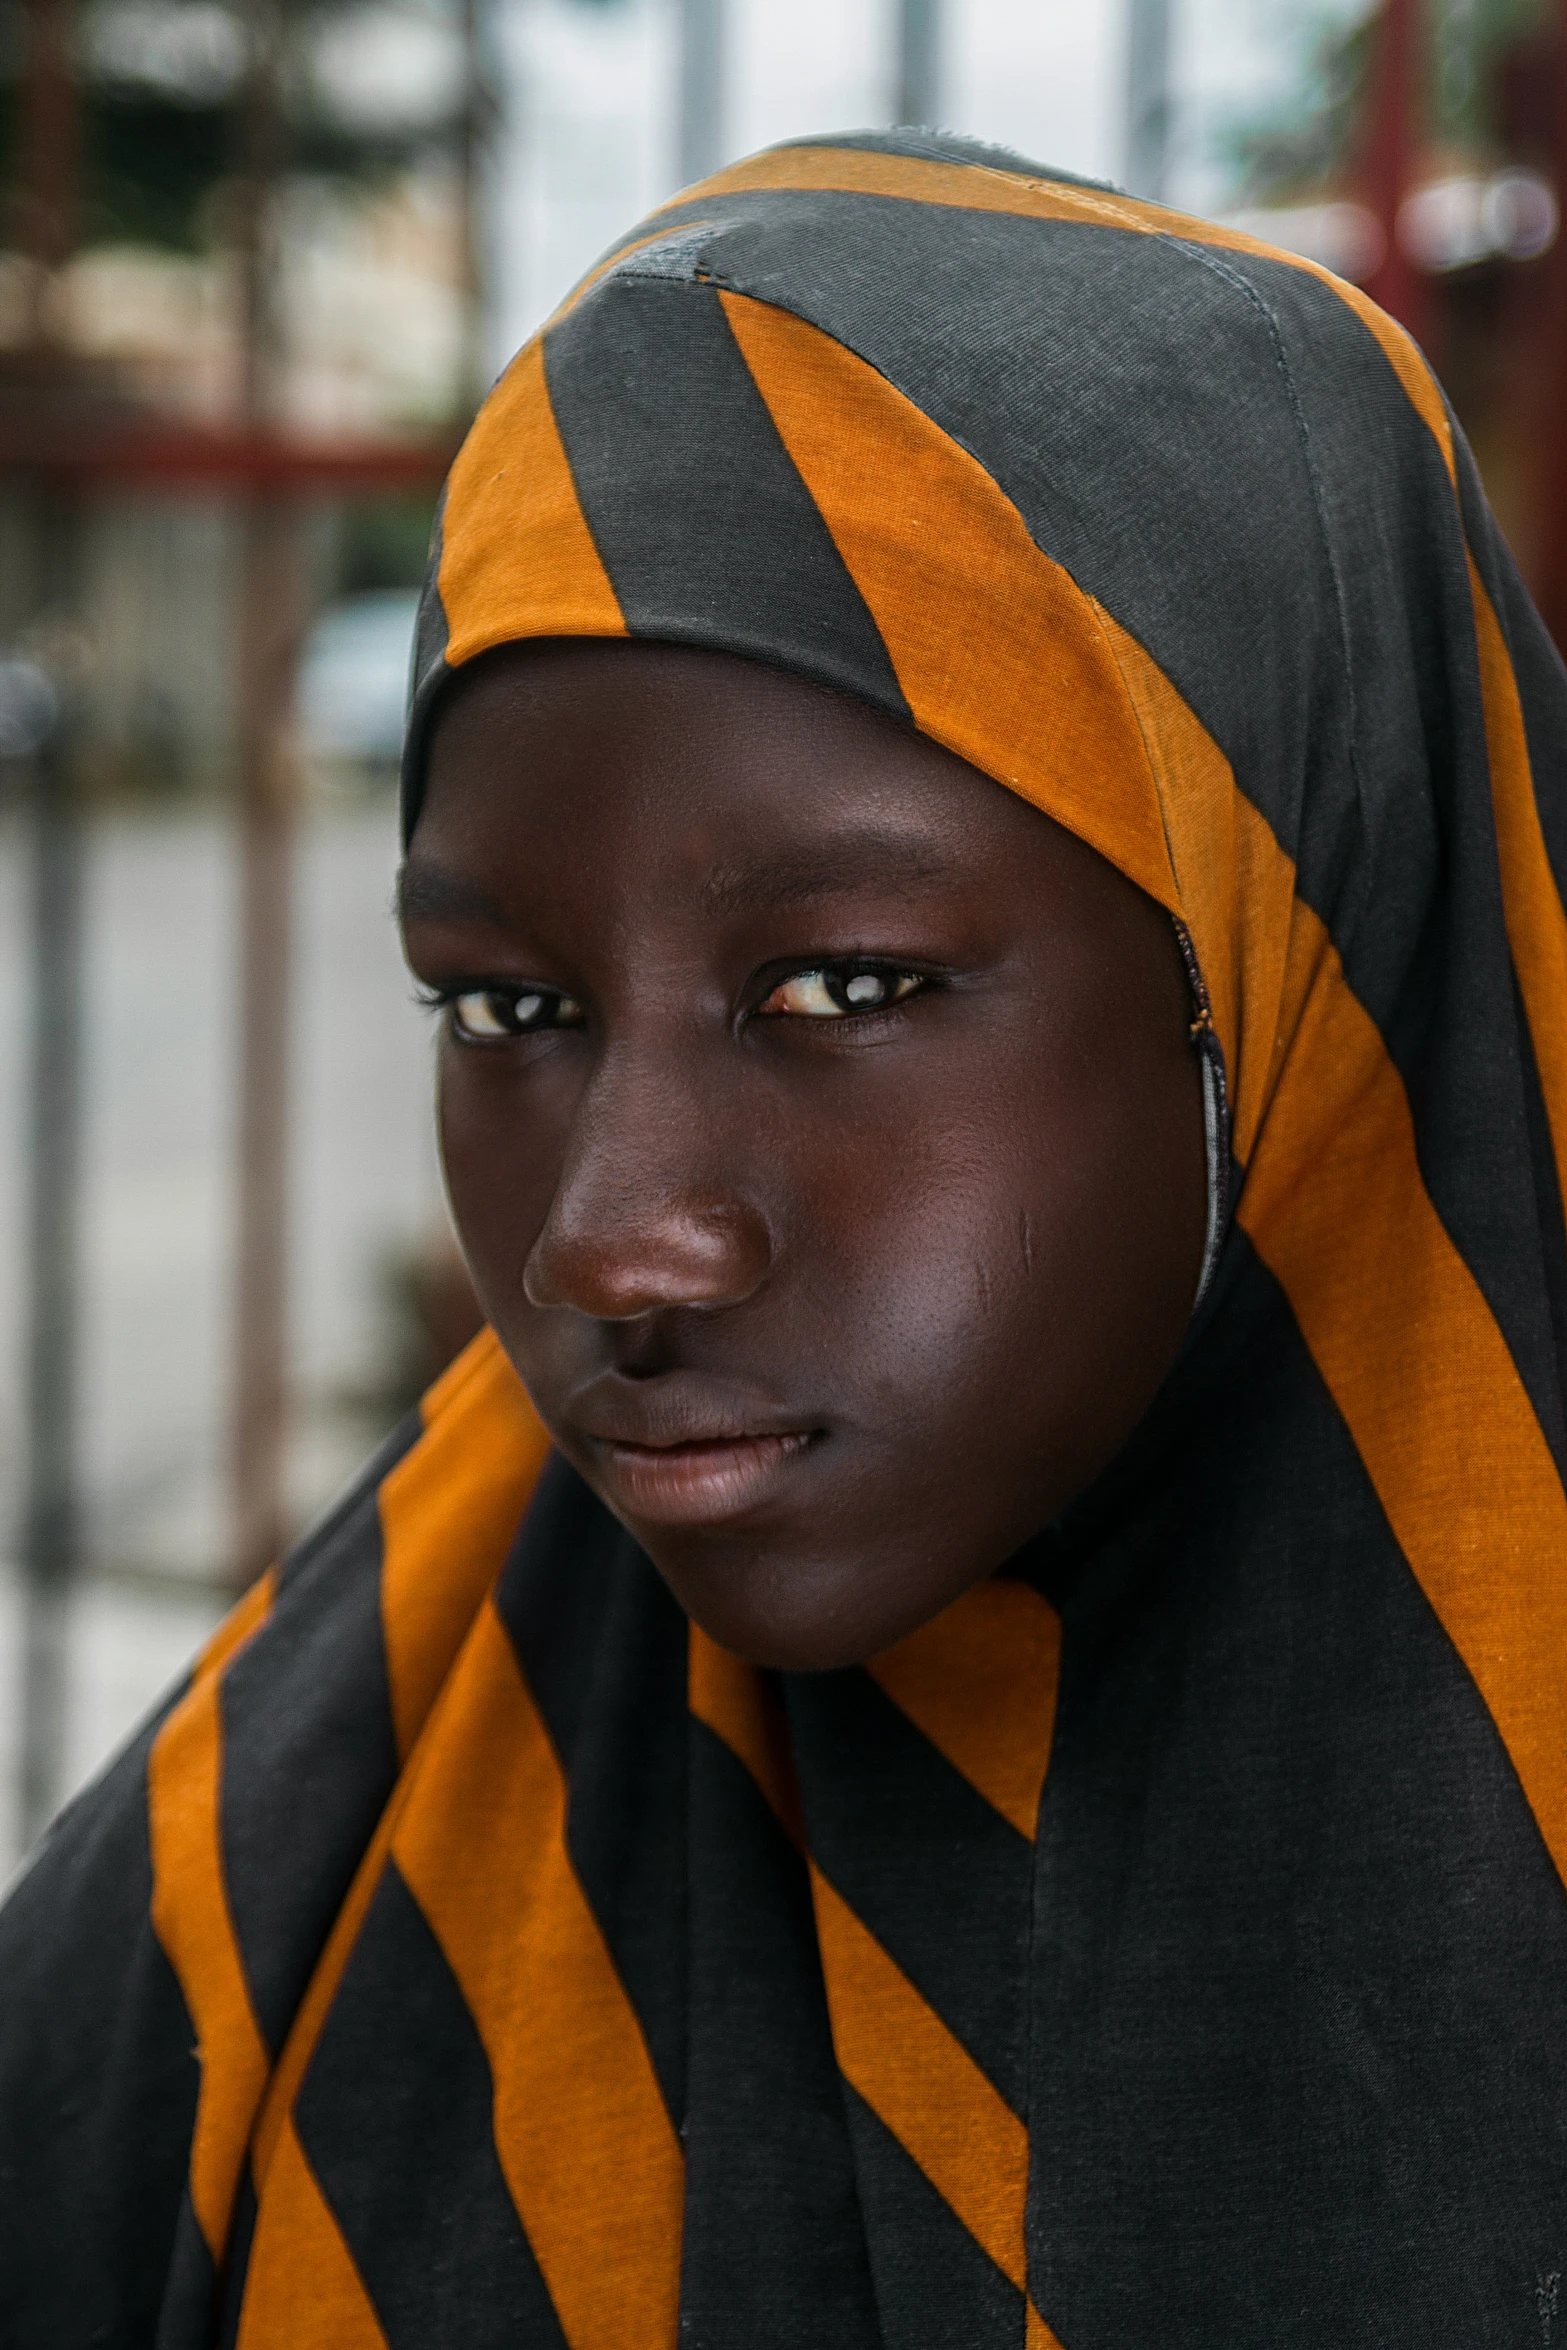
472	371
919	62
1148	107
268	823
48	201
1392	145
701	134
267	817
50	1531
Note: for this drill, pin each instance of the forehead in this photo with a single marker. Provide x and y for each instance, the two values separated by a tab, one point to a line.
725	778
585	701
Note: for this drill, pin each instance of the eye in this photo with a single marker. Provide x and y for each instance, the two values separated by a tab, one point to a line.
489	1015
838	989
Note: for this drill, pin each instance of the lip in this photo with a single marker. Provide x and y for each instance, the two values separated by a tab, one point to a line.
676	1450
695	1484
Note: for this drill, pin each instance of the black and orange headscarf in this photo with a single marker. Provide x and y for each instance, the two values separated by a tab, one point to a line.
1167	1945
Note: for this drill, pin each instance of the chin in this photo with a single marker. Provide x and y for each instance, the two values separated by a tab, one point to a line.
792	1610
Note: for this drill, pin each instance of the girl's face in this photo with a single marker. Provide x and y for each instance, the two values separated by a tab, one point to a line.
820	1121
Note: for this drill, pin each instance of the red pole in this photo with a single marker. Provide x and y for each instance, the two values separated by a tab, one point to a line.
1392	150
51	160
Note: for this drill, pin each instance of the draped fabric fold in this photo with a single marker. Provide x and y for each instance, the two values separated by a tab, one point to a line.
1169	1943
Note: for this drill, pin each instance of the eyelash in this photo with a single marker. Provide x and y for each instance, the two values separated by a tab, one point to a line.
504	1006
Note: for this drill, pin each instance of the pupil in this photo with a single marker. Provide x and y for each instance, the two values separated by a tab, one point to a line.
866	987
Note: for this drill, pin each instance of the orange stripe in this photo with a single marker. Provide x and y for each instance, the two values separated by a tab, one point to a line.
1236	884
519	560
1039	2336
584	2138
743	1709
1445	1430
1335	1204
979	1681
450	1510
888	2041
1536	923
245	1617
480	1396
926	2088
195	1926
444	1392
981	188
302	2290
1113	752
999	653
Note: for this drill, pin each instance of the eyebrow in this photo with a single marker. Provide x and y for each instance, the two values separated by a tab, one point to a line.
797	877
434	893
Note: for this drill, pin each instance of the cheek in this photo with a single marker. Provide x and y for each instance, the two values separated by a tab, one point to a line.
501	1158
1007	1294
919	1267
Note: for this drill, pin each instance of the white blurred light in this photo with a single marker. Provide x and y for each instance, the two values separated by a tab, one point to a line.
29	707
1449	224
1521	214
1453	223
383	68
186	48
1346	238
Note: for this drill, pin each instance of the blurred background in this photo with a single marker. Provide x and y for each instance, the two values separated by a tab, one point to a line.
259	259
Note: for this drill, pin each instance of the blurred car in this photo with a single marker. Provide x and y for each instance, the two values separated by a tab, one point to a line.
353	677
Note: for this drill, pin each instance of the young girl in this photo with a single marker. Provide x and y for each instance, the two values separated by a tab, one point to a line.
954	1731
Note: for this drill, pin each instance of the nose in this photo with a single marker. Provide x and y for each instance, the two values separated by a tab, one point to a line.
647	1214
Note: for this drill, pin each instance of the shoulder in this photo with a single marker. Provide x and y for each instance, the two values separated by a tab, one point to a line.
166	1929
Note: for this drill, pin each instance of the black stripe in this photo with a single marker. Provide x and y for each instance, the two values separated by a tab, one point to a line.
931	1868
603	1648
936	2286
428	673
706	530
1300	1974
1537	666
98	2082
918	146
343	1517
396	2117
236	2265
774	2255
190	2292
309	1753
1094	373
1451	1024
1455	1034
1542	685
1547	1188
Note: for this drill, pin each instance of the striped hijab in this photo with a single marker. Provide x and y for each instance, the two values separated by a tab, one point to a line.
1167	1945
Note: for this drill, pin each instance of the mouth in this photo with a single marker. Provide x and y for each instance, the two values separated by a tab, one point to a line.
692	1484
679	1461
